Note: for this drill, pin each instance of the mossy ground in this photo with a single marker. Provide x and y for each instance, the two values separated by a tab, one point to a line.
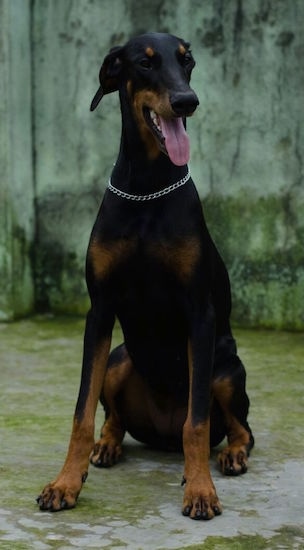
136	505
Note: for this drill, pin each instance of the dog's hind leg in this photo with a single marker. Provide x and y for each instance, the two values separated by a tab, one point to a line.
107	449
229	390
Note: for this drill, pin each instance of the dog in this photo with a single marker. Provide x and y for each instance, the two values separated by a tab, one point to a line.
176	382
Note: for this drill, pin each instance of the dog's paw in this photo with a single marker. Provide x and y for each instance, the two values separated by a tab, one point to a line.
61	494
106	453
233	460
57	496
201	501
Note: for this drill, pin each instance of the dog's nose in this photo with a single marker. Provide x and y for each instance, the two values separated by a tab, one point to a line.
184	103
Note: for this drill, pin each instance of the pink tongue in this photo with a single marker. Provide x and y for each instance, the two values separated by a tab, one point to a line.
176	140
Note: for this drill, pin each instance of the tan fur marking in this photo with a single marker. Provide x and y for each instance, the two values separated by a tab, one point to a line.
150	52
199	490
97	377
233	458
129	88
75	468
182	49
196	448
223	391
181	256
86	425
105	257
161	105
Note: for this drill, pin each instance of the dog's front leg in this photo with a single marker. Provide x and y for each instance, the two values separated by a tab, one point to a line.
64	490
200	498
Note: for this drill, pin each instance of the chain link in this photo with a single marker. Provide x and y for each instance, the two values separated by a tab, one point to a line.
150	196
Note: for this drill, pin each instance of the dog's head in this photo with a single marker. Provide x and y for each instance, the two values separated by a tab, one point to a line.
153	72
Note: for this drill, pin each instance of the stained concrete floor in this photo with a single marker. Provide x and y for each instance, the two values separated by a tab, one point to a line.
136	505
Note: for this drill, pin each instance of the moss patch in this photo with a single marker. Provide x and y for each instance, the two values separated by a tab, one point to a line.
286	538
260	241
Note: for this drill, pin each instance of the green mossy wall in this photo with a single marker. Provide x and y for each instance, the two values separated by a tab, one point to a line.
17	217
261	241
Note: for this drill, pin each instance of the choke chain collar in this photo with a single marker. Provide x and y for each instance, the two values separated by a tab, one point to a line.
150	196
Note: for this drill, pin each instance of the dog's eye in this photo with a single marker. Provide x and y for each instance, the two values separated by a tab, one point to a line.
188	59
187	62
145	63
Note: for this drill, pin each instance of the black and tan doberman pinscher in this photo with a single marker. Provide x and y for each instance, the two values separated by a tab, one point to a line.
176	382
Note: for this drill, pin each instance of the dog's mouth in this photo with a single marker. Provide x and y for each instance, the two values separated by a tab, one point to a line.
171	136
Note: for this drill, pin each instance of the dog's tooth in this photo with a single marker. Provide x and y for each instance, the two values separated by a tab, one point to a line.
155	119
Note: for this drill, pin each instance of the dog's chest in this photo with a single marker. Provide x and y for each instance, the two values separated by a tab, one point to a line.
135	259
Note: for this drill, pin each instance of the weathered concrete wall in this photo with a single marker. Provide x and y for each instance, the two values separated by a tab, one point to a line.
246	140
252	153
75	150
17	222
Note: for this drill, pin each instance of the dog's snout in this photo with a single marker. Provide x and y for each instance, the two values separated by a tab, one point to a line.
184	103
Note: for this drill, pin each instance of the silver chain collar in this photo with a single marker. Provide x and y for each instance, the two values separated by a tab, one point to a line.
150	196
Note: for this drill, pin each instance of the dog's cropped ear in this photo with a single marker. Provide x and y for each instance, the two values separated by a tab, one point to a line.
109	75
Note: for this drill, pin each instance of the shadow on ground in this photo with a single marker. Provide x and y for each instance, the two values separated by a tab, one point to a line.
136	505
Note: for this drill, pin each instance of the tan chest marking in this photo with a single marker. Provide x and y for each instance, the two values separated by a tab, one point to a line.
106	256
180	257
